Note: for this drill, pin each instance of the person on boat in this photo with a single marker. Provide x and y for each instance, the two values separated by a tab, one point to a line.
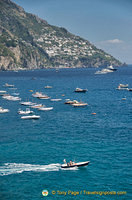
64	161
71	163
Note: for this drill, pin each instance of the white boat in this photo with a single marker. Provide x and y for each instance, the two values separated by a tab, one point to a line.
45	108
79	104
16	94
25	112
104	71
8	85
40	95
37	106
44	97
55	99
122	87
11	98
30	117
27	103
73	164
2	92
2	110
48	86
68	101
80	90
111	68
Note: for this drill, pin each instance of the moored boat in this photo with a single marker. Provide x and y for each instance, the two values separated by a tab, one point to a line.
48	87
2	92
79	104
104	71
25	112
37	106
80	90
55	99
2	110
8	85
68	101
122	87
111	68
30	117
27	103
45	108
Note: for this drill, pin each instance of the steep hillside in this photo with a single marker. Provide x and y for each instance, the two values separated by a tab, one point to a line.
27	41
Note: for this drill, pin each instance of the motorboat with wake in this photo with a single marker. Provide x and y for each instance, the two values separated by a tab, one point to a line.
73	164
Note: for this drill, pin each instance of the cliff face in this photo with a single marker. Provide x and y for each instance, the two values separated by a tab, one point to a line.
27	41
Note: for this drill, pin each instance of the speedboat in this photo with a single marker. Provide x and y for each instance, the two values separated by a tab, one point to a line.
73	164
23	112
30	117
80	90
2	110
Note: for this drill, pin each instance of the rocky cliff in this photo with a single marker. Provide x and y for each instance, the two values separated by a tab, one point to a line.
28	42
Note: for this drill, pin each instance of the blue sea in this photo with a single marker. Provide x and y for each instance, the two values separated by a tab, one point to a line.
32	151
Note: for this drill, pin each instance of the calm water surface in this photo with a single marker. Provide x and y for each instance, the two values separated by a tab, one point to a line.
31	151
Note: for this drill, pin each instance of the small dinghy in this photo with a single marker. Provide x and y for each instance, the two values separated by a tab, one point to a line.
73	164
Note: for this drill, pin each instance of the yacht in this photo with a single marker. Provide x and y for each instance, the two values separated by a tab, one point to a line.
104	71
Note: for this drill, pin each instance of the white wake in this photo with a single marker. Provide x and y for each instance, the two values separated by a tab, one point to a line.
17	168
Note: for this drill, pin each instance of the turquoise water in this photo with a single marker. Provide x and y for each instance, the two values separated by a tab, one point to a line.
31	151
